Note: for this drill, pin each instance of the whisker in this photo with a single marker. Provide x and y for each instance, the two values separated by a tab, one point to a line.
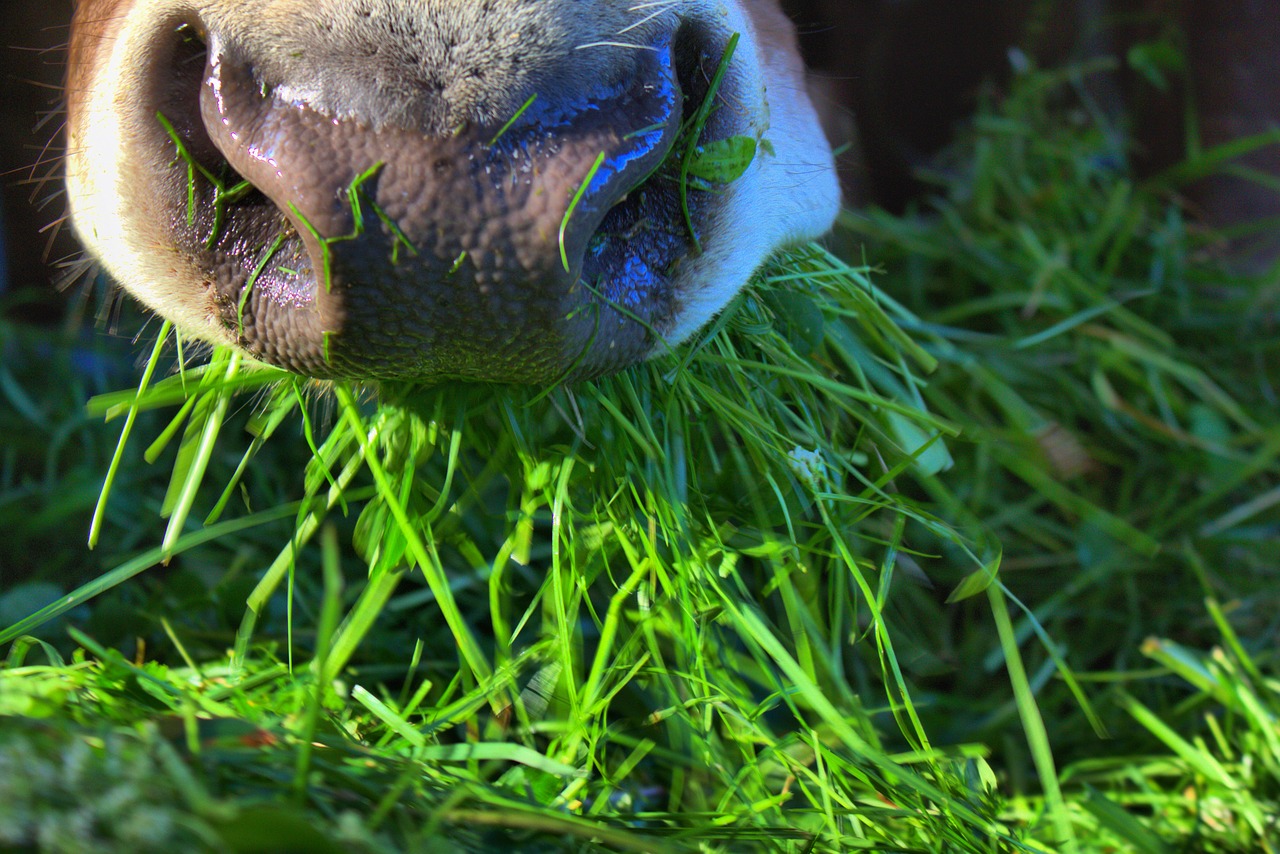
616	44
660	8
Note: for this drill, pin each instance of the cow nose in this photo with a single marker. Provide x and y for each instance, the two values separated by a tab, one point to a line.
490	252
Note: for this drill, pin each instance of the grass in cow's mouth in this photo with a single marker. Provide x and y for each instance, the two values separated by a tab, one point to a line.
872	564
618	538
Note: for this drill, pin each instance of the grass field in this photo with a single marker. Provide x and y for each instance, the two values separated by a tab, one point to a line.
968	545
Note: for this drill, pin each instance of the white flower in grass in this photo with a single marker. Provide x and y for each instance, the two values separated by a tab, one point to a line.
808	466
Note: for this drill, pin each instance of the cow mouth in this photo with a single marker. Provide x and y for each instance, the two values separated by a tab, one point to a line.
541	249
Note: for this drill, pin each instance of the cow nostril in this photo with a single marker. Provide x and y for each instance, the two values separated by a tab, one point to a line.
651	230
248	251
699	53
178	99
186	139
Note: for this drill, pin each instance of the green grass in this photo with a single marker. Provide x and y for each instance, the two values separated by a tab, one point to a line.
974	550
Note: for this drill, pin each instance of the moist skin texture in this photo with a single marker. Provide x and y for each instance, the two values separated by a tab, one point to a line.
458	189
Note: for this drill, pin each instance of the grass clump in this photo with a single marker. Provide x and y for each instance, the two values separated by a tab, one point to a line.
1118	381
967	554
647	599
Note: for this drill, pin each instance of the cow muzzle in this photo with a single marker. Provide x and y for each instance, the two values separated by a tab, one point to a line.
341	214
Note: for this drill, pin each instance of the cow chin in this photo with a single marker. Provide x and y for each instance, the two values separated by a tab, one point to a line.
441	189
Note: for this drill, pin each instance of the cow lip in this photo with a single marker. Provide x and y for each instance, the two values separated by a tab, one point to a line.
263	256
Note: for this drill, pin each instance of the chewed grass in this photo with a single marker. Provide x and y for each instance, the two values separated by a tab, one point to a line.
641	603
973	551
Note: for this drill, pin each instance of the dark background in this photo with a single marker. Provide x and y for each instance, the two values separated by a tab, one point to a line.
31	70
908	70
